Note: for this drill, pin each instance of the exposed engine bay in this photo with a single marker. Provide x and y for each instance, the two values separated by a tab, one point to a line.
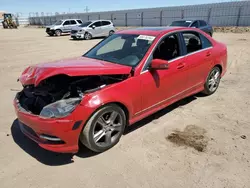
34	99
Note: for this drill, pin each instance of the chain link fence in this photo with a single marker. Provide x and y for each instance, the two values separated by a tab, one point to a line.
217	14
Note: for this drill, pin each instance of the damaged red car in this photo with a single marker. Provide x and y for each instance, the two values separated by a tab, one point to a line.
124	78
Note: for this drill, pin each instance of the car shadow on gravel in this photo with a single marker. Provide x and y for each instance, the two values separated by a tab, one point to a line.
94	38
42	155
161	113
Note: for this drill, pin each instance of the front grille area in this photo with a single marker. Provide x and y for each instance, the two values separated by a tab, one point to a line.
28	129
47	29
74	31
44	141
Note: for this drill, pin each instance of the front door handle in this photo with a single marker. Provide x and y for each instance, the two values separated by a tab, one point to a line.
181	65
208	54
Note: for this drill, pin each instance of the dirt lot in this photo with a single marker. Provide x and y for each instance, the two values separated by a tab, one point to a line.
144	157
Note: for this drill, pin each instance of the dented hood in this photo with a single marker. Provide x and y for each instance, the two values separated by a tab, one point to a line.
81	66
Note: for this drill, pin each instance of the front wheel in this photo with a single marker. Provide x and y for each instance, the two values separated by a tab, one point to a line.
104	129
87	36
58	32
213	81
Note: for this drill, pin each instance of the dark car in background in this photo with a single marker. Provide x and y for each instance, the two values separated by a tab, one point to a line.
201	24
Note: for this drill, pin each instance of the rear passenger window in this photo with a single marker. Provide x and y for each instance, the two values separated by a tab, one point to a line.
79	21
105	23
205	42
192	41
73	22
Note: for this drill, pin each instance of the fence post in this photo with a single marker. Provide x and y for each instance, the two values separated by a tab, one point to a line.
238	17
182	14
99	17
111	17
88	17
209	15
142	19
126	19
161	13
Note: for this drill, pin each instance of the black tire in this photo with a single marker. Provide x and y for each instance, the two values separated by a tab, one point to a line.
93	128
111	32
211	35
58	32
87	36
212	81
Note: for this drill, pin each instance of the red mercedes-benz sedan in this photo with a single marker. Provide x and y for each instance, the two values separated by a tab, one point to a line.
124	78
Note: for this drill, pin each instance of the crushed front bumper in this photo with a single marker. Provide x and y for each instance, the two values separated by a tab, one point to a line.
77	35
50	31
57	135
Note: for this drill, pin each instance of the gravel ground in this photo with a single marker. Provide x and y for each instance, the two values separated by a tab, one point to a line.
144	157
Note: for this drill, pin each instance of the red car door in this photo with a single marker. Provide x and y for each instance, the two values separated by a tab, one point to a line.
163	86
199	58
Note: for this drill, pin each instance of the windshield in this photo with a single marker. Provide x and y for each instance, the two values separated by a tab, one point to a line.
181	23
85	24
124	49
58	22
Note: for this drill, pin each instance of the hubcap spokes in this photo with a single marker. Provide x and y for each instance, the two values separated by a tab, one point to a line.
213	81
107	128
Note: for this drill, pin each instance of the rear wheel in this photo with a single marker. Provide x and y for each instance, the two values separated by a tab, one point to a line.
104	129
87	36
58	32
213	81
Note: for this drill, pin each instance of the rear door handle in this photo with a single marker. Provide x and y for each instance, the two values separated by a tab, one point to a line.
181	65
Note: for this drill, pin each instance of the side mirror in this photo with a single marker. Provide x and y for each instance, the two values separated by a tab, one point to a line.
93	26
159	64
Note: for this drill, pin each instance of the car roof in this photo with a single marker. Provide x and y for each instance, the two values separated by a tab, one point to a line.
99	20
70	19
153	31
189	20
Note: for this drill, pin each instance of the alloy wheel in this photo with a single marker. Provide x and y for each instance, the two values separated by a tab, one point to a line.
214	80
107	129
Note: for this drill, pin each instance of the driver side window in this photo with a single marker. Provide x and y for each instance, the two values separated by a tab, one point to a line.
168	49
96	24
66	23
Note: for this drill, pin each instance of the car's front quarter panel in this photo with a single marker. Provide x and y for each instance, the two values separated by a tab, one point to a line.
127	93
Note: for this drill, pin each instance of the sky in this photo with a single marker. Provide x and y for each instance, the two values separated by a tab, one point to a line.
52	6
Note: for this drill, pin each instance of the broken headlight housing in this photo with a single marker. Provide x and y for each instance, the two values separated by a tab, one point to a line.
60	108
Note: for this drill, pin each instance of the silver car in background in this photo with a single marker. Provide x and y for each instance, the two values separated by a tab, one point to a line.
90	29
62	26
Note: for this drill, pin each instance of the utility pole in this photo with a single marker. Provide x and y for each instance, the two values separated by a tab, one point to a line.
86	9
